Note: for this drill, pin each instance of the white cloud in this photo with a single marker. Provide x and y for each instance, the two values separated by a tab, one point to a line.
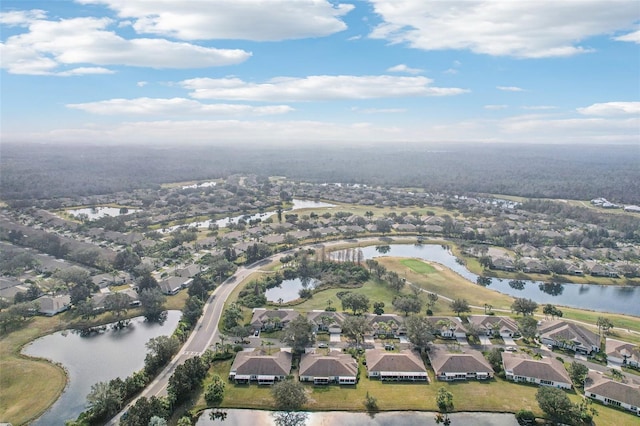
316	88
528	29
539	107
510	89
450	71
174	106
142	83
633	37
405	69
496	107
379	110
257	20
21	17
85	71
49	46
611	109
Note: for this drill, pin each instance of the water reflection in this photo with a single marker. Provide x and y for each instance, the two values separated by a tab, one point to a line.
484	281
383	249
290	418
243	417
554	289
516	284
616	299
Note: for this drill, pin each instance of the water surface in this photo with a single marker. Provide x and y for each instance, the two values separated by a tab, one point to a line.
98	358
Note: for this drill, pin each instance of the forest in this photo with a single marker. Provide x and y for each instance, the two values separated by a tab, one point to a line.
37	171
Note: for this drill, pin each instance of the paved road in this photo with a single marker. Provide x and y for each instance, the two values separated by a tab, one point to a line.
205	333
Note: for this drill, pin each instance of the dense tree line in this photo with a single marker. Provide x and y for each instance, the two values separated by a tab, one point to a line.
536	171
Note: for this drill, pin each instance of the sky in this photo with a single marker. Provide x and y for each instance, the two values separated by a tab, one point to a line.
282	72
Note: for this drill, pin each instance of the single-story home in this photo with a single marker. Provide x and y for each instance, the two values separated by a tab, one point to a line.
53	305
459	365
448	327
569	335
386	324
396	366
494	325
272	319
172	285
622	353
520	367
326	320
503	264
259	367
322	369
611	392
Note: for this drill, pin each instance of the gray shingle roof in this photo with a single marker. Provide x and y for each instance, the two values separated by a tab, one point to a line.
334	364
405	361
256	363
543	369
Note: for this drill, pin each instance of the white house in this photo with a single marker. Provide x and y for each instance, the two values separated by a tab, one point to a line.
569	335
322	369
459	365
448	327
396	366
610	392
492	325
519	367
623	353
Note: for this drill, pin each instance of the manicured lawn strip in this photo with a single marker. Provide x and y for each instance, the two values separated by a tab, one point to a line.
418	266
449	284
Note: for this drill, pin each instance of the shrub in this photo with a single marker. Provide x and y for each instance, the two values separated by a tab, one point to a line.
525	417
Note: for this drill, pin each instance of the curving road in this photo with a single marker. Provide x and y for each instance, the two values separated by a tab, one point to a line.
205	333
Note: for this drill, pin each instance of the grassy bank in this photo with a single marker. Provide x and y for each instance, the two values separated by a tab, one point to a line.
29	386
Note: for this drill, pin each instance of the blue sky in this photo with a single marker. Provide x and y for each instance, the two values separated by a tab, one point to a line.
280	72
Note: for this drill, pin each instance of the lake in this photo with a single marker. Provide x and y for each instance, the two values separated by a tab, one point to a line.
98	358
616	299
239	417
98	212
222	223
288	290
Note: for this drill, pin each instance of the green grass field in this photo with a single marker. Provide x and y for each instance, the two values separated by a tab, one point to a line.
493	396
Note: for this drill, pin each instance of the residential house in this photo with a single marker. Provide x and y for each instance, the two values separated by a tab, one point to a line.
622	353
259	367
395	366
270	319
600	270
569	335
53	305
322	369
492	325
448	327
460	365
535	266
520	367
503	264
611	392
326	321
386	325
172	285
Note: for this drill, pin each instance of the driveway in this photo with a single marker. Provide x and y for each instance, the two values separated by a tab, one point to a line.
462	341
509	341
334	338
484	340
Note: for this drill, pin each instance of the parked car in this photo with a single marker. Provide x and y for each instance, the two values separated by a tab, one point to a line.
323	345
256	333
511	349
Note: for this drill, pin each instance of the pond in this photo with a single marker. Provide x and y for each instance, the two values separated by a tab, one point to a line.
98	358
222	223
239	417
94	213
615	299
288	290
